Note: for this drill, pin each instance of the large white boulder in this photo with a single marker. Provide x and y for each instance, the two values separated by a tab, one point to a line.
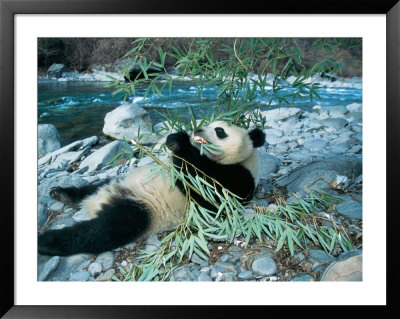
48	139
125	121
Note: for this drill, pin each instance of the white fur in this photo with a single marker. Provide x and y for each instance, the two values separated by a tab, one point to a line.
167	205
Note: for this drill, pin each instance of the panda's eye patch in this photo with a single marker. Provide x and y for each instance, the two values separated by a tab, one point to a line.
220	132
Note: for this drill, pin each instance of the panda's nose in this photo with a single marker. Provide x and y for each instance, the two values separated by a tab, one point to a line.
198	131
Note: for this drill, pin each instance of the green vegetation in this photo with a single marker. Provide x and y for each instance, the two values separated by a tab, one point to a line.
285	224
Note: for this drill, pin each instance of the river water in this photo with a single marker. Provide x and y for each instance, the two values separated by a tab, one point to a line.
77	109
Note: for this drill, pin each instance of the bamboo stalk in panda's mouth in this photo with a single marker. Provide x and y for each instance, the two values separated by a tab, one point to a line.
199	139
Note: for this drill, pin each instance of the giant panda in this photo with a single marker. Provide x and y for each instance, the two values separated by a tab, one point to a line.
137	205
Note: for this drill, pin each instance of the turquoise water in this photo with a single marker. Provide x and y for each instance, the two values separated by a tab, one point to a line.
77	109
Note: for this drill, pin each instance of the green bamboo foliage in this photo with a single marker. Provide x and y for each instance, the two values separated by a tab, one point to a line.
293	225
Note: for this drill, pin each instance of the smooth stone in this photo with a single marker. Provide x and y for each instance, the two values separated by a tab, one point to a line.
336	123
48	139
315	145
303	278
152	243
83	265
224	257
49	267
346	270
57	206
204	277
106	260
95	268
245	274
268	164
351	209
264	266
80	276
319	255
105	276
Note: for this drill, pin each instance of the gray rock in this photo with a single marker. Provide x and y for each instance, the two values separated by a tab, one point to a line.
95	268
346	270
55	70
42	215
336	123
152	243
300	178
198	260
282	113
49	268
245	274
301	156
273	131
264	266
76	260
182	273
354	107
315	145
80	276
83	265
319	255
124	122
53	155
354	116
281	147
348	254
224	257
204	277
102	156
351	209
48	139
106	260
90	141
229	267
339	148
105	276
81	216
336	111
272	139
268	164
57	206
303	278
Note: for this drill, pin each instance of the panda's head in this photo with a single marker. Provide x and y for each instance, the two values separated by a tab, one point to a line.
237	143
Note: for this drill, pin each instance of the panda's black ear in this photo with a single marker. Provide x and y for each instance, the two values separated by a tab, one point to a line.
258	137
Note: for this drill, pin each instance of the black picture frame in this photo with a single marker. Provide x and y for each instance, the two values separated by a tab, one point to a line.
8	10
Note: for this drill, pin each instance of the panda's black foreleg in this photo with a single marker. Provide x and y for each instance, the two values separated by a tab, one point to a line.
72	196
119	222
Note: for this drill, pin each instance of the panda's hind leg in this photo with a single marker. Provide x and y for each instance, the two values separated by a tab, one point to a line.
119	222
72	196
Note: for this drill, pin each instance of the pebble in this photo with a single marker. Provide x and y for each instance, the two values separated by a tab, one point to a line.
83	265
303	278
124	263
95	268
49	267
57	206
152	243
106	260
198	260
80	276
351	209
264	266
319	255
345	270
204	277
245	274
224	257
105	276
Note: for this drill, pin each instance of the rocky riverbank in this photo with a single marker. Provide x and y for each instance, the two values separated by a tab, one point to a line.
322	148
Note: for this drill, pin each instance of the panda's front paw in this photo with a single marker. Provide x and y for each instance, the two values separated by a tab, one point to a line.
177	142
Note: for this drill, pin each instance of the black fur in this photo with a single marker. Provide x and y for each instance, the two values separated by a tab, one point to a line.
118	223
234	177
258	137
